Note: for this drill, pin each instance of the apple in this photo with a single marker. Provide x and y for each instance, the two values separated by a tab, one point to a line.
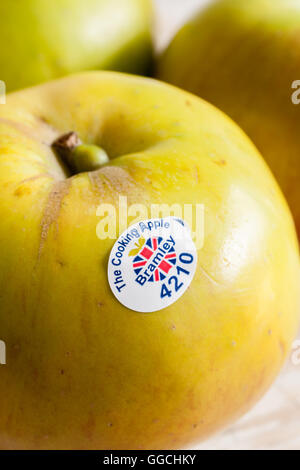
82	370
46	39
244	57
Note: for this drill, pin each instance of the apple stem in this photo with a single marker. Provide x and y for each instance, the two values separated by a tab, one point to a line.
77	156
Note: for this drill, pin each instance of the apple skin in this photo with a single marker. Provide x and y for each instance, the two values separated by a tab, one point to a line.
83	371
47	39
243	56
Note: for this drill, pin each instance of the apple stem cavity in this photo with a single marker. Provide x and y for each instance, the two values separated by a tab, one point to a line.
79	157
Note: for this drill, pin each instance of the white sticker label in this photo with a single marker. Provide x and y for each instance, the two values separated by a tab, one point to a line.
152	264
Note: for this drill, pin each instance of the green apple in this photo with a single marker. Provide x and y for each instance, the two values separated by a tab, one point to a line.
45	39
244	57
83	371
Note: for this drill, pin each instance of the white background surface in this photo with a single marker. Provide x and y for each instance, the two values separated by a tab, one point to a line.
275	421
171	14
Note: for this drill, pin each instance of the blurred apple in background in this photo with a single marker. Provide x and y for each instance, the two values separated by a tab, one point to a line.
44	39
243	56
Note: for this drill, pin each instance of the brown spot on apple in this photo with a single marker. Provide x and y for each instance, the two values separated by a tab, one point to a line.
62	264
221	162
22	191
43	119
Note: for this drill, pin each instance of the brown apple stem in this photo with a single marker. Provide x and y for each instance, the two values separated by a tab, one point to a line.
79	157
64	146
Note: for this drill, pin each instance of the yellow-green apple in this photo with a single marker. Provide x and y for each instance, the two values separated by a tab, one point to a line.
244	57
83	371
46	39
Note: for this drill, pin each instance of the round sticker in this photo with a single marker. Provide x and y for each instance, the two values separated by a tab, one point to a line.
152	264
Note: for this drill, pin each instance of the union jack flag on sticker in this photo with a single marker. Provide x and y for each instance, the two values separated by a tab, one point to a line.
156	258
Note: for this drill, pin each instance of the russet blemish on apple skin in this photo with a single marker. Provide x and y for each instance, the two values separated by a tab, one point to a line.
52	210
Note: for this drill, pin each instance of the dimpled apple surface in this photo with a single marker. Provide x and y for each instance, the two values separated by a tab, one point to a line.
244	57
83	371
46	39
